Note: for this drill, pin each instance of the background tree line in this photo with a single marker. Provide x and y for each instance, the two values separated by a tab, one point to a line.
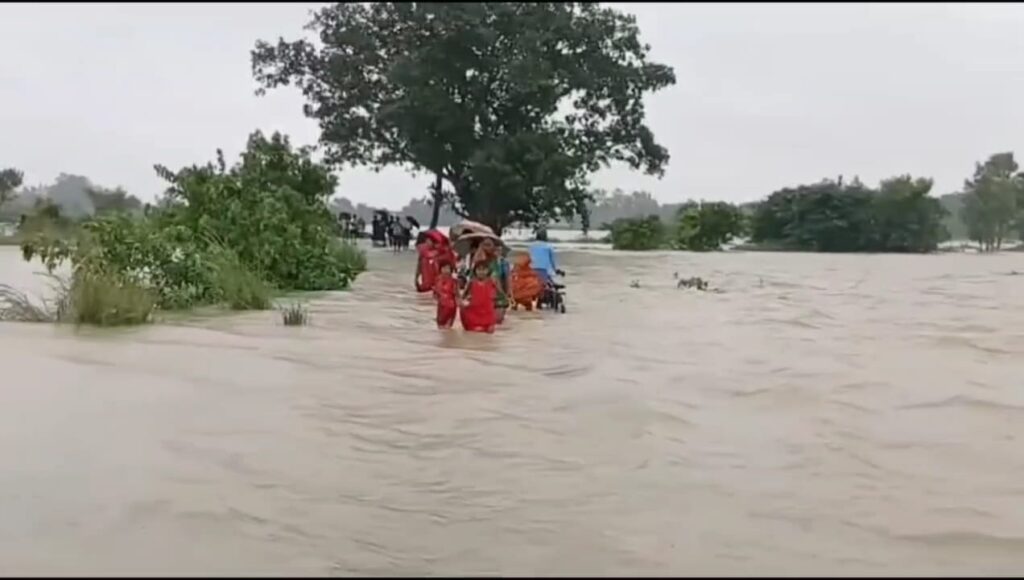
899	215
72	196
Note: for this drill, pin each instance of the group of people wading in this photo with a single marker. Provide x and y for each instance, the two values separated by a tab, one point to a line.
480	287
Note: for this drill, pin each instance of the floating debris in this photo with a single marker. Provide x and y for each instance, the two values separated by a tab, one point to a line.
695	282
634	284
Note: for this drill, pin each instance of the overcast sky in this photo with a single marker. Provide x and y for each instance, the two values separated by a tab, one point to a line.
767	95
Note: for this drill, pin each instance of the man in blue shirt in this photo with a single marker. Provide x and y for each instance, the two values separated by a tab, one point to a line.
542	256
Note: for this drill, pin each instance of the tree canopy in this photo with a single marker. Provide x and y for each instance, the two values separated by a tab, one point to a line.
511	104
10	179
994	202
831	216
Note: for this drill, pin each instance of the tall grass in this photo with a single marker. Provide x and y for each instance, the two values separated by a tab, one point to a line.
104	300
88	298
294	315
16	306
239	287
351	255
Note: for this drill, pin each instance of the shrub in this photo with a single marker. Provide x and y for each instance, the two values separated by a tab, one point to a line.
273	231
707	225
637	233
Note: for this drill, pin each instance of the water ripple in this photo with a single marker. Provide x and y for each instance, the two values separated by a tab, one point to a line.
827	415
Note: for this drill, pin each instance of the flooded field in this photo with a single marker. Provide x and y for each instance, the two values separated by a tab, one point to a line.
823	415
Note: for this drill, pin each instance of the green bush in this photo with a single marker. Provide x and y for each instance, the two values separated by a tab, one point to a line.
273	231
637	233
706	226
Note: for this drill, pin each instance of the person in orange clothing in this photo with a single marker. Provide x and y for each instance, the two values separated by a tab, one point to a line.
446	291
524	284
478	313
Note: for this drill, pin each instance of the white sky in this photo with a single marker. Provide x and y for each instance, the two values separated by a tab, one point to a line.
768	95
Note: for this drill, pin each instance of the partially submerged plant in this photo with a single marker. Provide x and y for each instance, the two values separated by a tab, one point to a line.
295	315
16	306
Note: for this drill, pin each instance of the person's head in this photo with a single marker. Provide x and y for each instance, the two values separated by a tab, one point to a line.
487	245
481	270
542	234
446	268
523	260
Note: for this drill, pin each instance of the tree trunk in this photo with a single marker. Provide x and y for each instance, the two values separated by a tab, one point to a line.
438	200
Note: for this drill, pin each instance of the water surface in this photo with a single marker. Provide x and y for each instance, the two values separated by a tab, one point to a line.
823	415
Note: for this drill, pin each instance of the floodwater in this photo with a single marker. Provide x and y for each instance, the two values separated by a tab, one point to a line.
822	415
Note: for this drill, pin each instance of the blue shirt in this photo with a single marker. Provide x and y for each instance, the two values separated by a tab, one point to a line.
542	257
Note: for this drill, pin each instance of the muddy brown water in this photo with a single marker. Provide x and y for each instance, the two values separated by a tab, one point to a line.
823	415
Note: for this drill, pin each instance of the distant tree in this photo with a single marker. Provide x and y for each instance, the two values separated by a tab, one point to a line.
512	104
827	217
70	193
990	208
707	225
906	218
831	216
646	233
111	200
10	180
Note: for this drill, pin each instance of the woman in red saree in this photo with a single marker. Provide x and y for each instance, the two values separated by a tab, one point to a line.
478	314
432	251
426	266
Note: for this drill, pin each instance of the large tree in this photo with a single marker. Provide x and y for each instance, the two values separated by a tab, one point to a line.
511	104
990	207
906	218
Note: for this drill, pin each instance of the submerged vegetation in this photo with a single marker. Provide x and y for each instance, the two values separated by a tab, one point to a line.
232	236
294	315
697	227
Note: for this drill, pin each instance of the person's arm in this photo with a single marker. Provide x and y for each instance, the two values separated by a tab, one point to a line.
551	256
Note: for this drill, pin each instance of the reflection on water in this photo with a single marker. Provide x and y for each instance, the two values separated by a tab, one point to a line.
825	414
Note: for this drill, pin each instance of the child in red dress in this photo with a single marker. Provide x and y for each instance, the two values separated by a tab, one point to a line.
478	314
446	291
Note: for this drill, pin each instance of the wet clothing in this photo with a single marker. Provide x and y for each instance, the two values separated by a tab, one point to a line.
499	273
542	254
428	267
479	315
446	292
525	286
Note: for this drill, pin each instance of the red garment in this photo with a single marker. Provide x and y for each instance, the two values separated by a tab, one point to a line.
479	315
446	291
447	254
428	267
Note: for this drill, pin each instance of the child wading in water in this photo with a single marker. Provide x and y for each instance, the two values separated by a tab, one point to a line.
478	313
446	291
